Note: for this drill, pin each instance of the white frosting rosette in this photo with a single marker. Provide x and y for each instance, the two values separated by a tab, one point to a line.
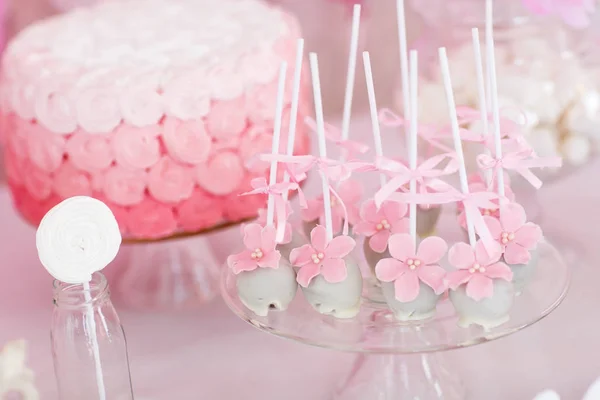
77	238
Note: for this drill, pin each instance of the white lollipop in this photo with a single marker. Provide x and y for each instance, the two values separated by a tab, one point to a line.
77	238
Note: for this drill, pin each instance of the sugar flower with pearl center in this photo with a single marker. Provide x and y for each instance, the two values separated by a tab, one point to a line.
260	250
380	224
477	269
516	236
322	257
409	266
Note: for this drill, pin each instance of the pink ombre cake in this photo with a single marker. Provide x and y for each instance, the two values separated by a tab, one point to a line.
156	107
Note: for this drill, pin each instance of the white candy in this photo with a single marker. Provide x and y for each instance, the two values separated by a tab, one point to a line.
577	150
544	141
77	238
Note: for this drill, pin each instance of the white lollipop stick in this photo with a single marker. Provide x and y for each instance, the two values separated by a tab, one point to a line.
275	145
491	60
351	76
373	108
316	83
413	149
456	137
489	33
483	106
401	18
75	239
294	108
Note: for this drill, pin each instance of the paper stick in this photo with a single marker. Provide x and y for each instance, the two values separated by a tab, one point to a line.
489	33
464	184
483	106
401	17
373	108
316	83
491	60
413	149
91	322
351	75
275	146
294	109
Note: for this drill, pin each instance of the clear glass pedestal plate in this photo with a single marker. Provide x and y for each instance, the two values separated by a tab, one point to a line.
404	361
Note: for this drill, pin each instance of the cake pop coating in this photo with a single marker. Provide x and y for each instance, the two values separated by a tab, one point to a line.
523	273
423	307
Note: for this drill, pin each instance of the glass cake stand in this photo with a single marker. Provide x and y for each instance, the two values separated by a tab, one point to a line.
404	361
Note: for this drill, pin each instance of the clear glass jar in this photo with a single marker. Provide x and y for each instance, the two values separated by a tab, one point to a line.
83	369
547	73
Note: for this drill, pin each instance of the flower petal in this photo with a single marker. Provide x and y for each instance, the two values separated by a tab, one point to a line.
456	278
302	255
389	269
307	273
401	226
252	236
407	287
394	211
480	287
500	271
270	260
379	241
432	249
486	255
267	238
369	212
515	254
401	246
318	238
334	270
339	247
433	276
512	217
241	262
494	226
365	228
461	256
529	235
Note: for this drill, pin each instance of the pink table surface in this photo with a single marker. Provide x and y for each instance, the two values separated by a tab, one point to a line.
211	354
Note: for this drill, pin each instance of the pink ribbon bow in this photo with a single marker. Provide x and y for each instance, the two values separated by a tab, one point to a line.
277	190
519	161
334	135
424	174
468	115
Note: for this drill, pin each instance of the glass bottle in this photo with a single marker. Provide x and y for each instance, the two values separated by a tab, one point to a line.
547	72
88	343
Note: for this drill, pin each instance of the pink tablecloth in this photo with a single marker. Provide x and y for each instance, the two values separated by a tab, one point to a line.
210	354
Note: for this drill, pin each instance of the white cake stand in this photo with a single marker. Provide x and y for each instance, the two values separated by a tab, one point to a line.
403	361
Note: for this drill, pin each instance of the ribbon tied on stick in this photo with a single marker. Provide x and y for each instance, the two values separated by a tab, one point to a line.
520	161
277	190
334	135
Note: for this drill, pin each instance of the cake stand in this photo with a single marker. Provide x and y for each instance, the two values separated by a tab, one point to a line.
404	361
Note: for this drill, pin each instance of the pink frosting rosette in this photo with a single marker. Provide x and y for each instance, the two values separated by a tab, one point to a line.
17	141
186	142
21	100
322	257
225	83
141	104
237	208
14	167
185	96
69	181
201	211
151	220
54	108
257	140
122	186
45	150
260	67
227	118
98	109
171	182
90	153
222	174
409	266
121	214
37	182
136	148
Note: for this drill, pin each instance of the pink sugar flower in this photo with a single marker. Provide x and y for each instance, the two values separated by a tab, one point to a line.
350	193
260	250
380	224
516	236
262	220
576	13
322	257
477	269
410	266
